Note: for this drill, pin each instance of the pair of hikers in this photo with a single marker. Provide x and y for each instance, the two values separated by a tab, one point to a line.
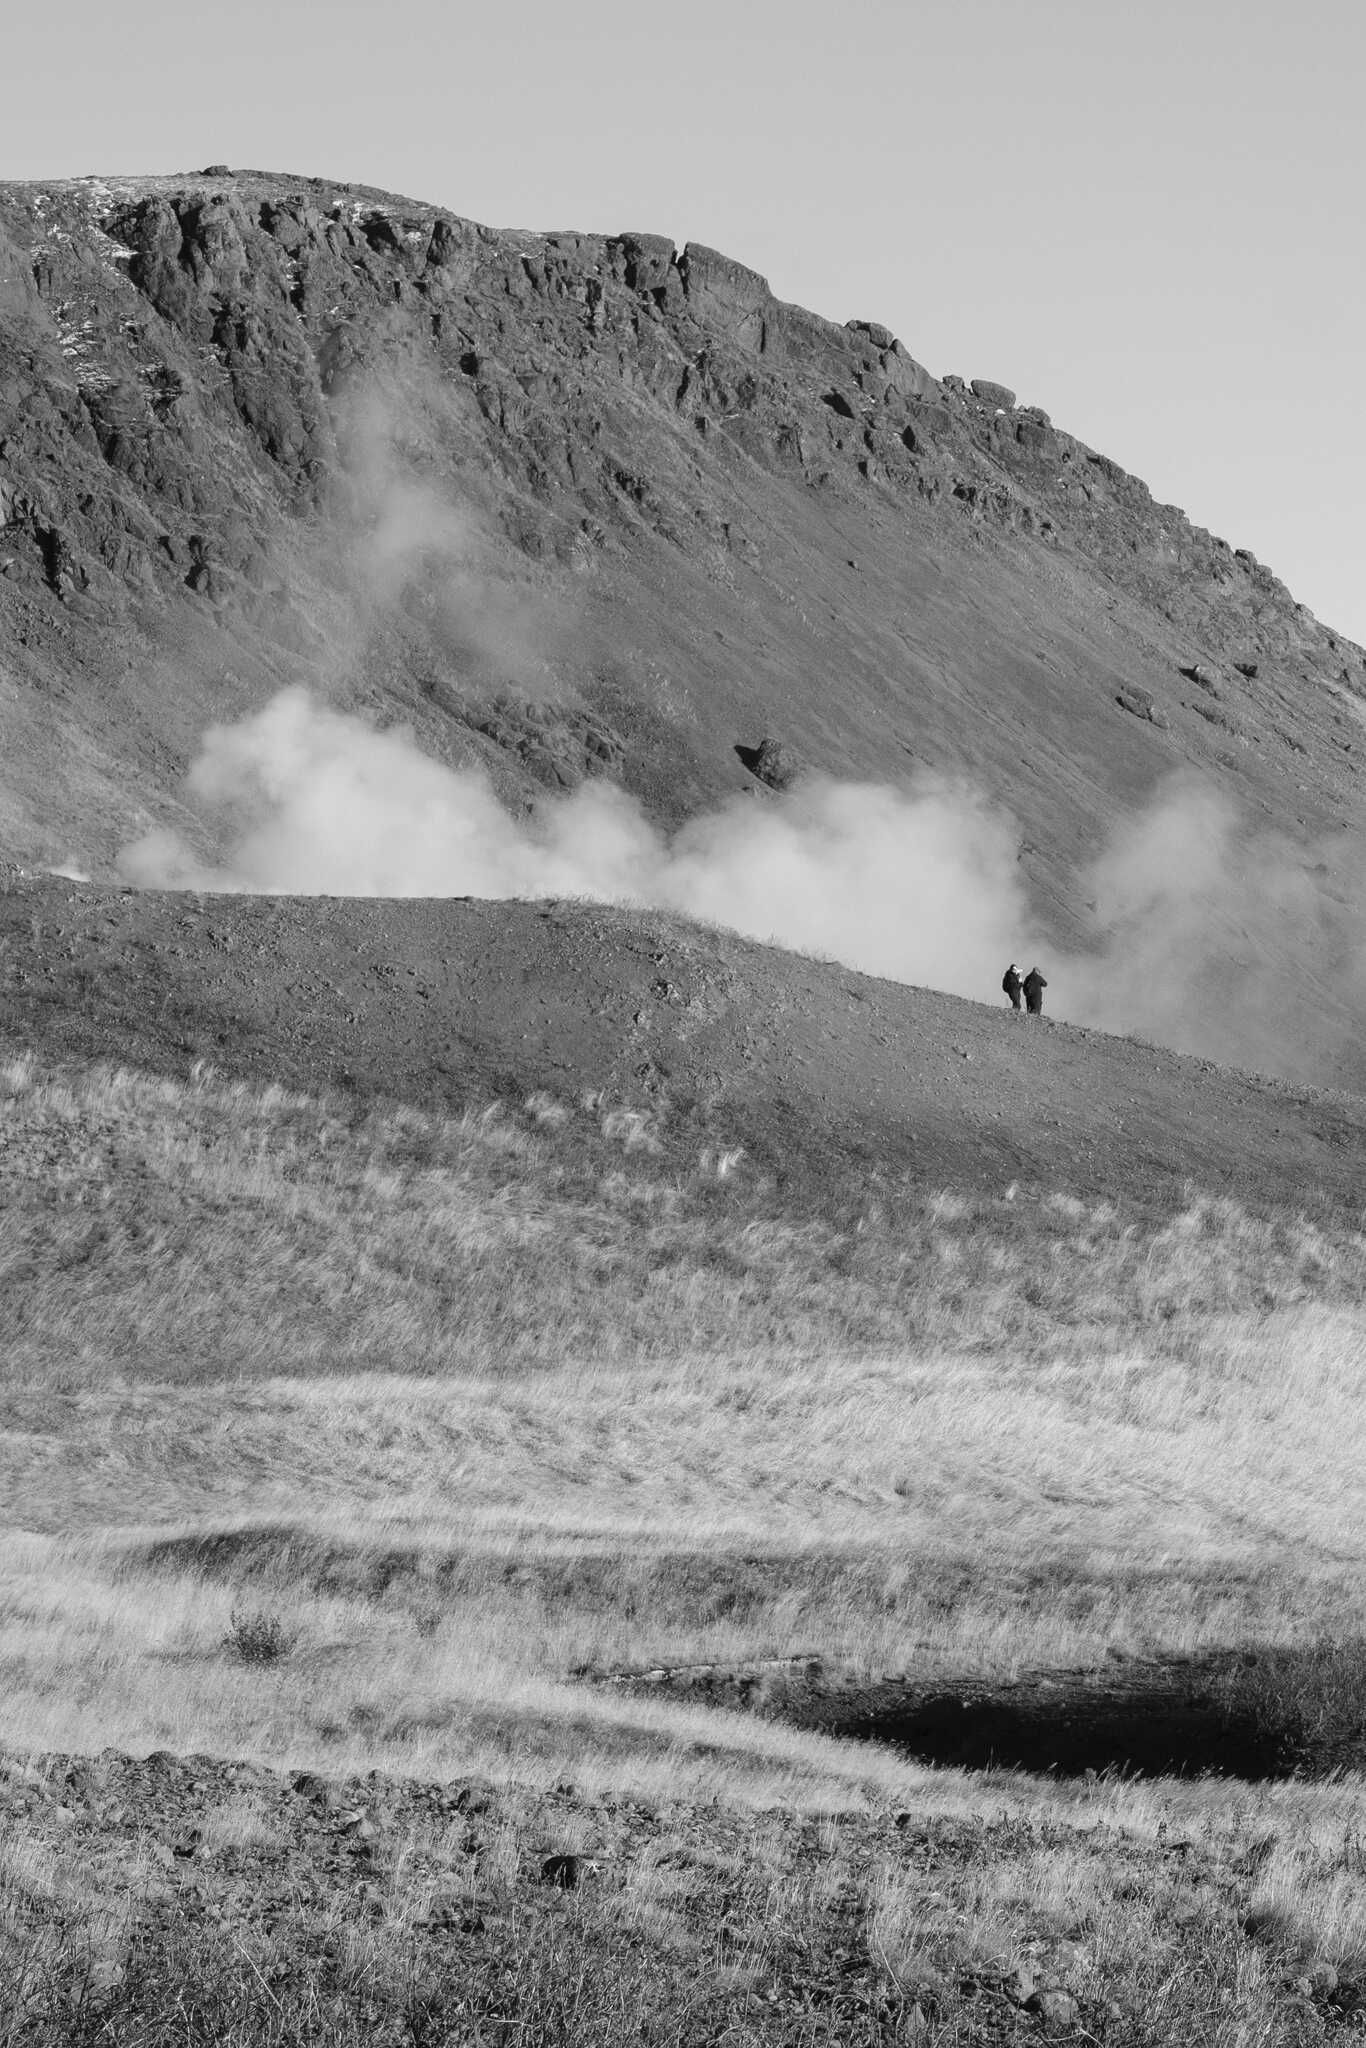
1031	986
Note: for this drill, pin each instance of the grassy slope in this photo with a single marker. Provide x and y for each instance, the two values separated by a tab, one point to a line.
468	1403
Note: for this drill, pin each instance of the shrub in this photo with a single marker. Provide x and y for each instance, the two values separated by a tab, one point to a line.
1308	1704
256	1635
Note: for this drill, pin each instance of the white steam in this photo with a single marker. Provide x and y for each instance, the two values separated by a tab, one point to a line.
918	884
1198	927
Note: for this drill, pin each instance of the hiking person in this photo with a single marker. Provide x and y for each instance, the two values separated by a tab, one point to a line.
1012	985
1034	986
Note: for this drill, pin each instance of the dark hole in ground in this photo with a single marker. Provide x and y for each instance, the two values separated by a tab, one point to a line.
1252	1715
1070	1736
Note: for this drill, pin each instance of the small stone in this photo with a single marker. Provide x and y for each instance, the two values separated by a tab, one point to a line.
1021	1985
1055	2008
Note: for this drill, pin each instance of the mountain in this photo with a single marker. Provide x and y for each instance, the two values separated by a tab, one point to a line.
581	507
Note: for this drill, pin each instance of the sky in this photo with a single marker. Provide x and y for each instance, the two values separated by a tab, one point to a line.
1146	219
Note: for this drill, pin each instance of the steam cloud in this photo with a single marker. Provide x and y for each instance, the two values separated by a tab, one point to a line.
1198	925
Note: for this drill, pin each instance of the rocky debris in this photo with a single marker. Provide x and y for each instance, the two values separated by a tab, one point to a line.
558	744
1140	704
1205	678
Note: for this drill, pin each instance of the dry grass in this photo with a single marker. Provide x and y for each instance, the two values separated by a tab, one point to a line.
778	1931
154	1231
461	1407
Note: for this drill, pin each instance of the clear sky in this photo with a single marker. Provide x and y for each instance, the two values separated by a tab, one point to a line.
1146	218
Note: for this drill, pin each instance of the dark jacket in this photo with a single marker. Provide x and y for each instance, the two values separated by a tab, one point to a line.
1034	986
1010	982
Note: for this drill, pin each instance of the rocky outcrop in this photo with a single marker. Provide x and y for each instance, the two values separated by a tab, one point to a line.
725	297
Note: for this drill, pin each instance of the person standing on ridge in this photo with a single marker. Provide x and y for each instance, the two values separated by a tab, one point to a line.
1034	986
1012	984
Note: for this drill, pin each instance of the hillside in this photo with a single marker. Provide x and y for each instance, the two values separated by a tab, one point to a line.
825	1076
583	506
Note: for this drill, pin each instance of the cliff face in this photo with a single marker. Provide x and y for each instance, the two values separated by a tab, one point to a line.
581	504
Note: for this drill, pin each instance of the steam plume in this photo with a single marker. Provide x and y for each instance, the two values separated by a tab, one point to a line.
1207	938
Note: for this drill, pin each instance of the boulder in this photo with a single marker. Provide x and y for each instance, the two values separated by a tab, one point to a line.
769	763
998	396
1140	703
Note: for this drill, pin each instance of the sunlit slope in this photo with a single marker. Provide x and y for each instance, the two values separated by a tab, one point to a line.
826	1077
